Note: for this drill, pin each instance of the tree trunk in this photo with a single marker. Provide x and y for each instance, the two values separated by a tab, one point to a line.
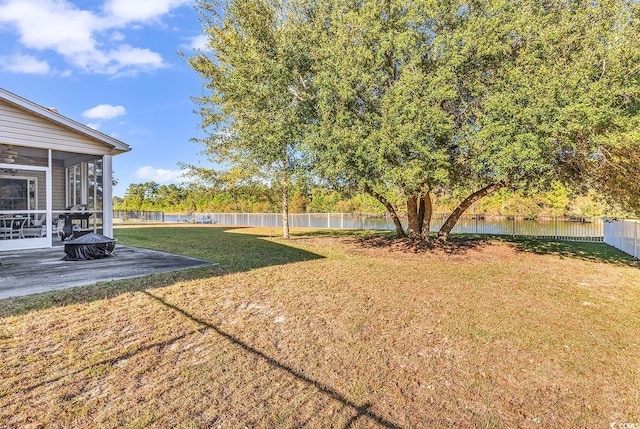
426	207
285	208
415	216
451	221
390	209
419	211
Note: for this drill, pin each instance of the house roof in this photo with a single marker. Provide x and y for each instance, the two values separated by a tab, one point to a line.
55	117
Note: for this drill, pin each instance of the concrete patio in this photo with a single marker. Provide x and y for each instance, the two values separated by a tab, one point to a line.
26	272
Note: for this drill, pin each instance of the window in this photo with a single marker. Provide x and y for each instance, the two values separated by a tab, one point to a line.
18	193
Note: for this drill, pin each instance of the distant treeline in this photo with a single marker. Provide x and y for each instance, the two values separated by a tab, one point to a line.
151	196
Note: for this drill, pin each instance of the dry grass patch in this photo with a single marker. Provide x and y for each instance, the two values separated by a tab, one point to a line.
367	334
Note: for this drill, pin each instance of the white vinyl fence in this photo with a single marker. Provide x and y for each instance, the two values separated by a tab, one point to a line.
554	227
623	235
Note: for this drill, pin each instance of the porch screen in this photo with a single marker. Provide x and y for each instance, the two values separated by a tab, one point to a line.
84	185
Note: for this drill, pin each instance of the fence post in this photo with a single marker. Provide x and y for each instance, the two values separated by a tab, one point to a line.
620	234
341	220
635	241
555	227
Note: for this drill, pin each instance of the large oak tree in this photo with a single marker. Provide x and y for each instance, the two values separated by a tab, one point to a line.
407	98
474	95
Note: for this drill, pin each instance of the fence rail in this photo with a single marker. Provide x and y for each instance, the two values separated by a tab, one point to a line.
127	216
623	235
556	227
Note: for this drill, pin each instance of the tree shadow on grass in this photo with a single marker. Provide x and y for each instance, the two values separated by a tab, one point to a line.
456	245
461	243
360	411
587	251
371	239
231	252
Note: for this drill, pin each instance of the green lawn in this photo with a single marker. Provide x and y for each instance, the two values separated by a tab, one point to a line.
332	330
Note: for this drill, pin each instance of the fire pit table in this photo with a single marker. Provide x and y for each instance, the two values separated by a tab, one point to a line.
89	246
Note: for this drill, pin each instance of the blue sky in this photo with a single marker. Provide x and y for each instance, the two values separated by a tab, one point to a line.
112	65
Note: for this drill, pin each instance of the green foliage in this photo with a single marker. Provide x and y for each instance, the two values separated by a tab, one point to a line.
380	124
256	70
405	100
457	96
196	197
254	199
252	70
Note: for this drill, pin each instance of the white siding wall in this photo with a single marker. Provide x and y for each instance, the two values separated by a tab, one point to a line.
58	186
21	128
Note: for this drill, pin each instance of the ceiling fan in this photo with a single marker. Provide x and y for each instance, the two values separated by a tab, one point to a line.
8	155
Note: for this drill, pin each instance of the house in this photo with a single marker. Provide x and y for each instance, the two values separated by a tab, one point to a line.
55	176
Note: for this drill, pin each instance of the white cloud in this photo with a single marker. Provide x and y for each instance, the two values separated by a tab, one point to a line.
117	36
159	175
47	24
140	10
93	125
25	64
104	111
88	40
199	43
126	54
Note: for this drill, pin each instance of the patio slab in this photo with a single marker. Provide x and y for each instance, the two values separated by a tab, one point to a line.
27	272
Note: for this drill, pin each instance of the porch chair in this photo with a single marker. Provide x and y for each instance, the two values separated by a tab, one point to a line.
37	228
6	228
58	228
12	227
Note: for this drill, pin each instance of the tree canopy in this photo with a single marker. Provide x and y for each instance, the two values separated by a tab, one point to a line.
417	98
255	69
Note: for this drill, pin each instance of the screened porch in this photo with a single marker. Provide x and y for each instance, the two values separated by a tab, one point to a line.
48	196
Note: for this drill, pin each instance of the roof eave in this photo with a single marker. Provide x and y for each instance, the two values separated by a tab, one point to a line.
117	146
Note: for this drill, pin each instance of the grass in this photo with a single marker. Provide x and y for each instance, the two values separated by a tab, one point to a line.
333	330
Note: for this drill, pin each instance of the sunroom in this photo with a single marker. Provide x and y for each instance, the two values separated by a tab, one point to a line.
55	176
